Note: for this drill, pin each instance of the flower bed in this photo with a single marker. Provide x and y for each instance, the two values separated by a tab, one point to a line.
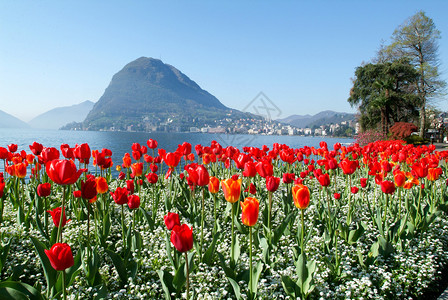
217	223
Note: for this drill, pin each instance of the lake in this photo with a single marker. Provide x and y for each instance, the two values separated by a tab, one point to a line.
121	142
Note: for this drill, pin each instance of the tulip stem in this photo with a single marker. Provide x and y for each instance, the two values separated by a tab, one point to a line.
202	224
250	262
214	209
232	245
122	227
46	215
303	231
62	215
269	215
188	275
88	224
329	209
64	292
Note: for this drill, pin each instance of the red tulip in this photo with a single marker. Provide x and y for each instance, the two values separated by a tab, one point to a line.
152	144
203	176
388	187
182	238
67	152
3	153
152	178
348	166
36	148
249	169
420	169
60	256
82	152
363	182
2	188
186	148
136	155
354	189
133	201
172	159
120	195
264	168
272	183
49	154
171	220
337	196
324	179
301	196
148	158
288	177
56	216
44	189
251	189
63	172
249	211
12	148
130	186
88	188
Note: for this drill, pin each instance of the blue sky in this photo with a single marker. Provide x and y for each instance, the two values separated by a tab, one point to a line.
301	54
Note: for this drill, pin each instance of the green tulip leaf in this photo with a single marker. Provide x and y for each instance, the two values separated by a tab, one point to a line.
49	272
256	273
4	251
236	288
209	254
119	265
291	288
12	290
180	277
167	283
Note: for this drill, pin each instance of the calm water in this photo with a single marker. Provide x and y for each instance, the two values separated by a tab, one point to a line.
121	142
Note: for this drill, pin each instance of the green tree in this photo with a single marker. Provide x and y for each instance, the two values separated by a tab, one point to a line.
417	40
385	93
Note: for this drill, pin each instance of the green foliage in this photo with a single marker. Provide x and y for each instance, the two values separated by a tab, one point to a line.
415	140
385	92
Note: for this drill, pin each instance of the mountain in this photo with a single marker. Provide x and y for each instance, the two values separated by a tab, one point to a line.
323	118
148	93
9	121
60	116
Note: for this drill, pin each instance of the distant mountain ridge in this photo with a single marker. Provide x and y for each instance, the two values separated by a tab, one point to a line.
147	92
60	116
322	118
9	121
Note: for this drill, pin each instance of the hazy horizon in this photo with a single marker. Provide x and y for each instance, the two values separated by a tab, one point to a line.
302	55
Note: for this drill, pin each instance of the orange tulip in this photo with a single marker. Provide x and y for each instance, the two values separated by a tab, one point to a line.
20	170
101	185
231	189
250	208
127	160
213	185
137	169
301	196
399	178
434	173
